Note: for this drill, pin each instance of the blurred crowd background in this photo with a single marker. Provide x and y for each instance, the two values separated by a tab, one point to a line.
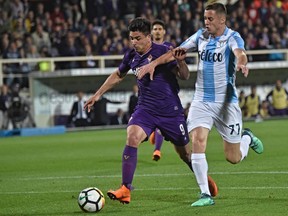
67	28
33	29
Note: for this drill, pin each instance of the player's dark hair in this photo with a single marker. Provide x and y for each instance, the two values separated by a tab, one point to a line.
140	24
159	22
218	7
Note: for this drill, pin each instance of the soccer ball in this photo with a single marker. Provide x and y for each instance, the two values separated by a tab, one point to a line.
91	199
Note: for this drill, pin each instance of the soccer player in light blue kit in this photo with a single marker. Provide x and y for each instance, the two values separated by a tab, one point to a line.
221	53
158	105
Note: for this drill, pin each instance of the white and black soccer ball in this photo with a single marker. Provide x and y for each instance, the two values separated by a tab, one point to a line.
91	199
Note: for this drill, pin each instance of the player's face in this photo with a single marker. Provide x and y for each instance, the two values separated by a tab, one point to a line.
158	33
140	42
214	23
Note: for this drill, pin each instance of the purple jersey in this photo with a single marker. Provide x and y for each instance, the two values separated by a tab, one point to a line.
159	96
167	44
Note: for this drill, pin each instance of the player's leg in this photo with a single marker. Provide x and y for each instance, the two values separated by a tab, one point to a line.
158	144
185	154
236	152
236	142
152	138
137	131
176	131
255	143
233	153
199	138
200	122
135	135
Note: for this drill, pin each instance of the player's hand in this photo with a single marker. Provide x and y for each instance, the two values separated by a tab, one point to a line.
148	68
244	69
179	53
90	102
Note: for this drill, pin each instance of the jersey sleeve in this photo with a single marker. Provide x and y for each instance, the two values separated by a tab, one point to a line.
236	42
192	41
124	67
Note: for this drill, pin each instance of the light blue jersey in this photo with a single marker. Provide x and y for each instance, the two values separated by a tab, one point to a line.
217	65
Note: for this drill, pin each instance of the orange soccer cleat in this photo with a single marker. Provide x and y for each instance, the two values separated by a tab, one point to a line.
212	187
156	155
122	195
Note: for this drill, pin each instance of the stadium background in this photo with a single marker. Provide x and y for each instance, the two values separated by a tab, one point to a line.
43	175
76	34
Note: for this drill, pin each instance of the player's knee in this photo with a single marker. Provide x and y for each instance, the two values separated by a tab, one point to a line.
133	141
233	159
233	155
199	142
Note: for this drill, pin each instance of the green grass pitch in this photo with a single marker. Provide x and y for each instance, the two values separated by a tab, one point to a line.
43	175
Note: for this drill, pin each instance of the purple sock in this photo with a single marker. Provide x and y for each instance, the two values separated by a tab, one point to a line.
158	140
129	162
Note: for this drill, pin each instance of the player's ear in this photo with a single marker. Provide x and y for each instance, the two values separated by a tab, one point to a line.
223	19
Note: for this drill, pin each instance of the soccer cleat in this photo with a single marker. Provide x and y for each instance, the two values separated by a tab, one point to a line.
152	138
156	155
122	195
256	144
205	200
212	187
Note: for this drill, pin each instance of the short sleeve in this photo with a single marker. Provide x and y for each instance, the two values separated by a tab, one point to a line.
125	64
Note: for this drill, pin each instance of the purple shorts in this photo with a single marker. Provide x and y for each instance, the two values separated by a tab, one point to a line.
173	129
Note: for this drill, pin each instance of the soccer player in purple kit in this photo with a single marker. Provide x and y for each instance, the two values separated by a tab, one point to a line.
158	104
158	33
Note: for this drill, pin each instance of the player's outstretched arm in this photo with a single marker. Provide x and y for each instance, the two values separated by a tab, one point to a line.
150	68
115	78
180	54
241	61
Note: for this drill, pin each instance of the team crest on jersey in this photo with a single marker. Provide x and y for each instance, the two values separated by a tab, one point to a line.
149	58
221	43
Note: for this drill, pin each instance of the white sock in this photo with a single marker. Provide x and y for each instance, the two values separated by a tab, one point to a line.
200	168
244	145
